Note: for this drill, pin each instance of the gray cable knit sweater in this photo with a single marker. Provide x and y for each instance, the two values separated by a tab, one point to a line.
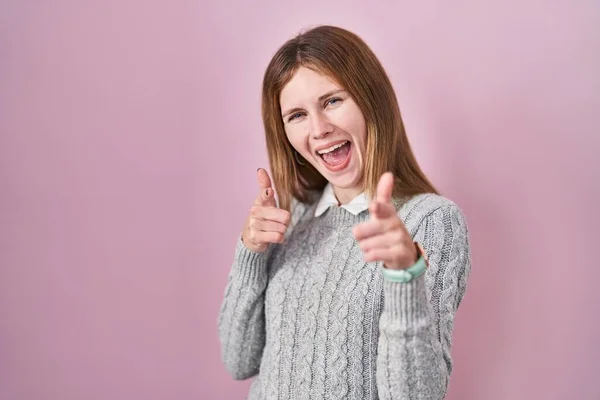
312	320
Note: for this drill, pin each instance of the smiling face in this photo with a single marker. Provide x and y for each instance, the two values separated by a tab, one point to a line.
325	125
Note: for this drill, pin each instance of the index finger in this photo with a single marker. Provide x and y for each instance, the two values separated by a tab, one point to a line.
385	188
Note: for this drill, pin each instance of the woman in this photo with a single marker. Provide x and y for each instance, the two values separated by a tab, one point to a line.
346	289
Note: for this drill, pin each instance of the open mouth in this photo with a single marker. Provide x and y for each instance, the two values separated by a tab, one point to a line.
336	157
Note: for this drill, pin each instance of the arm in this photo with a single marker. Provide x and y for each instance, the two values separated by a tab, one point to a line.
242	318
416	324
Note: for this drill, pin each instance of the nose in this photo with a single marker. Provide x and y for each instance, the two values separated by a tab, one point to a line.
320	126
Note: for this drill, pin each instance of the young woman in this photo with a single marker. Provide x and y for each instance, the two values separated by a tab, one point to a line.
347	287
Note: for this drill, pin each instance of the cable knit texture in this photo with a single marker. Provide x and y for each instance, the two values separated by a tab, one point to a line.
310	319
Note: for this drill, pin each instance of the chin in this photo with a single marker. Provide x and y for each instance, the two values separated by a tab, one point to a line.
345	183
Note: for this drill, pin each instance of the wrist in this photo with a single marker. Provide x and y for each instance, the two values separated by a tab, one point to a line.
406	275
253	247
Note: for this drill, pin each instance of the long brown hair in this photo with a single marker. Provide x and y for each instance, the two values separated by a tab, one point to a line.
345	58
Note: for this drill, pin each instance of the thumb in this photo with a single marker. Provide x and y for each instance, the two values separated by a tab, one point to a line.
266	196
264	181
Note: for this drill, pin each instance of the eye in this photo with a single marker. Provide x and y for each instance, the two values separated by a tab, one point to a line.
294	116
333	101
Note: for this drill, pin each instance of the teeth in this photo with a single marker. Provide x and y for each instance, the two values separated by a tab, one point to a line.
332	148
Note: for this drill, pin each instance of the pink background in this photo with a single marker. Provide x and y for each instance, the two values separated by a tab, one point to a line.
131	133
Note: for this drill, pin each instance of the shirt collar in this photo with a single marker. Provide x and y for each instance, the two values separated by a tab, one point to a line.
359	204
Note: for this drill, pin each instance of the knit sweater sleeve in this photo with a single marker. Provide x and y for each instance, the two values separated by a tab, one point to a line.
241	319
416	323
241	322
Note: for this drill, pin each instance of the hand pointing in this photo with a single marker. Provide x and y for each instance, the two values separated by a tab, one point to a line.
384	237
266	222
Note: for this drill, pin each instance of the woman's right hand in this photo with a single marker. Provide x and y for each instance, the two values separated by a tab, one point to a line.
266	223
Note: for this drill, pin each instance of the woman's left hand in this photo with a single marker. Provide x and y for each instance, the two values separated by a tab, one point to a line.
385	237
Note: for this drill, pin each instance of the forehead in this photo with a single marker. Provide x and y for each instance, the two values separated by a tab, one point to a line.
306	86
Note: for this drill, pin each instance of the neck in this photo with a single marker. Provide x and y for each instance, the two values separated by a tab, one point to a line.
346	195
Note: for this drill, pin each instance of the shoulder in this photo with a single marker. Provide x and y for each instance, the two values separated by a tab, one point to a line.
297	209
419	209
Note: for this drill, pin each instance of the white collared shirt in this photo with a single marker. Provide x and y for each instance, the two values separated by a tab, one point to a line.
359	204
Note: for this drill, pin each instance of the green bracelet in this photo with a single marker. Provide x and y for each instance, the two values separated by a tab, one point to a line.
405	275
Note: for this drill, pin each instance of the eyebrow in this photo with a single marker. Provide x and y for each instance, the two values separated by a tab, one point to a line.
321	98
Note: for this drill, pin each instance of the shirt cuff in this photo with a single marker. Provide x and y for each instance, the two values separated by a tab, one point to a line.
406	303
250	267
